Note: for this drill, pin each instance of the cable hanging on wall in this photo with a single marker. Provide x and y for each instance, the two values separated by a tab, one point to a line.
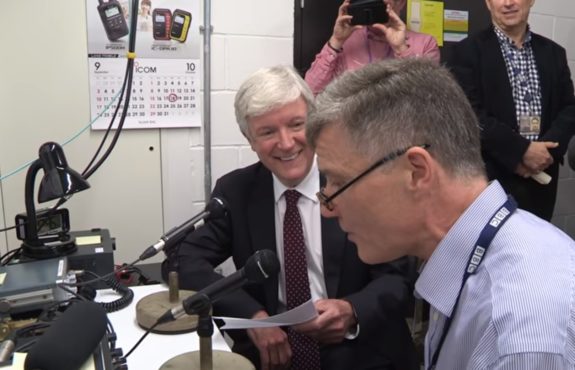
95	163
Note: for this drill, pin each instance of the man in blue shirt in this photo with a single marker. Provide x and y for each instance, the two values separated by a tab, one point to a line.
399	145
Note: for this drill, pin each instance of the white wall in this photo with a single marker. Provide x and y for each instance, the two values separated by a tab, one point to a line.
555	19
44	96
154	179
140	192
247	35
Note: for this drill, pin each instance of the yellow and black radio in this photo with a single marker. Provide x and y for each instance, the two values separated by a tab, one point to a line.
181	21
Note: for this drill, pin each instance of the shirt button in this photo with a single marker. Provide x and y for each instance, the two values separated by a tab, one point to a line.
435	316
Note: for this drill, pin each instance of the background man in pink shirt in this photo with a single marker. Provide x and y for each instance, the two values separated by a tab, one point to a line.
351	47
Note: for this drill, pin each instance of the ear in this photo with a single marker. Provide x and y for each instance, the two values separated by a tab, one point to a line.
250	141
248	138
422	168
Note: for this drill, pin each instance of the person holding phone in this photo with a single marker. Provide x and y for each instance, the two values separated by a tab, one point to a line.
352	45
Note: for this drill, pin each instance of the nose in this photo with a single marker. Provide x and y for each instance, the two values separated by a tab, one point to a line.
286	140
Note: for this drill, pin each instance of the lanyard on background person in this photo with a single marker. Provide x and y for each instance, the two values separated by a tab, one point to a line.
477	255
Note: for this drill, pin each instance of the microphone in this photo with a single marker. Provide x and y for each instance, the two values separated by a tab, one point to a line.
571	154
263	264
6	350
215	208
70	340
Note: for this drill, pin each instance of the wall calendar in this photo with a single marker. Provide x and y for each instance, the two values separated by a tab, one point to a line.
166	86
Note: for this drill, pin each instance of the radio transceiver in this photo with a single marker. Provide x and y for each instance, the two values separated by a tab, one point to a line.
181	21
162	23
113	19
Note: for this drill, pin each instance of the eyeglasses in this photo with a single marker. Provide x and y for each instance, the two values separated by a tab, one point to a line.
326	201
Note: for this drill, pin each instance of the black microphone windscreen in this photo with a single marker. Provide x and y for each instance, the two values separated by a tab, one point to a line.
263	264
70	340
217	208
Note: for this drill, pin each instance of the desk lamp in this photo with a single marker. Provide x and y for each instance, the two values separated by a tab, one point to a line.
59	181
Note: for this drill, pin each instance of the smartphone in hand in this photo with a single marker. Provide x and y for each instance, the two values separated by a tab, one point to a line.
367	12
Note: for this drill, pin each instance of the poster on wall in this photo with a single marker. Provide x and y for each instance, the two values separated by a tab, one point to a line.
456	25
426	16
166	85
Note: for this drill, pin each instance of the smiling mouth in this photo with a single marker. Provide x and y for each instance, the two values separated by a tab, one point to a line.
288	158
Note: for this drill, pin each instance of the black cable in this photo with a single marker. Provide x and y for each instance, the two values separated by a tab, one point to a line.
116	136
9	256
7	228
127	84
127	295
141	339
111	124
100	278
129	75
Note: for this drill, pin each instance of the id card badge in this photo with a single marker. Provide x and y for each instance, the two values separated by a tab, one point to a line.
529	125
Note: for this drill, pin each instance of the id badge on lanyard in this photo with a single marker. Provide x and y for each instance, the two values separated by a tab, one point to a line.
529	125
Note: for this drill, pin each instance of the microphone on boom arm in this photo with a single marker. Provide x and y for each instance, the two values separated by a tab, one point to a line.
215	208
260	266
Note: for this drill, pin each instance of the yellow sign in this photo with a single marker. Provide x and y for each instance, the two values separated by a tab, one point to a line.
426	16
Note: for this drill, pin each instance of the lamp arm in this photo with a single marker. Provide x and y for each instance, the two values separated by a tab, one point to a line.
32	227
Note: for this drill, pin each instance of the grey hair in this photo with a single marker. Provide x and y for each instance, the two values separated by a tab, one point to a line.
266	89
395	104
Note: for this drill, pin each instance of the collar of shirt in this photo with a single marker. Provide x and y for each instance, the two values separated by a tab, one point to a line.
506	41
441	278
308	187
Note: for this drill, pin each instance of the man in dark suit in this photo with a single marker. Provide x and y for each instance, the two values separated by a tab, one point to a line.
361	308
520	87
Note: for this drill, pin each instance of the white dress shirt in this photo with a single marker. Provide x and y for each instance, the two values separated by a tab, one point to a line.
309	209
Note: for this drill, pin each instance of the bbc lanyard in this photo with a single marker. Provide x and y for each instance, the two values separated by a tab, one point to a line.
475	259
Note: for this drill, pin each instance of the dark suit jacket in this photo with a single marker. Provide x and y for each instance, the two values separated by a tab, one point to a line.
477	63
378	294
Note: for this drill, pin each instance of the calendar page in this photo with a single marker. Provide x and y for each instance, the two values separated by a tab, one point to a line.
165	87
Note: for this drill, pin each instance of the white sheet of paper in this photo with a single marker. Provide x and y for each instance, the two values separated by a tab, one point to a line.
297	315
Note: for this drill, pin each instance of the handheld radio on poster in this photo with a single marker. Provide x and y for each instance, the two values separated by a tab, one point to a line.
162	23
181	22
112	17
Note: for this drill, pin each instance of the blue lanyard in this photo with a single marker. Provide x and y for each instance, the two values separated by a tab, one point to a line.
483	242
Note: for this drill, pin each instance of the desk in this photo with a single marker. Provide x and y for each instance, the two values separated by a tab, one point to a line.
156	348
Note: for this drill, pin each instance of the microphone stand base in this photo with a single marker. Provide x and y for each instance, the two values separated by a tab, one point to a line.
222	360
152	306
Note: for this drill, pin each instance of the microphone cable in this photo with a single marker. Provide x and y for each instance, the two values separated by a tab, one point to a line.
126	294
124	267
148	331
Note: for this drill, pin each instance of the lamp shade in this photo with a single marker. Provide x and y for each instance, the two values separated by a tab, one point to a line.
59	180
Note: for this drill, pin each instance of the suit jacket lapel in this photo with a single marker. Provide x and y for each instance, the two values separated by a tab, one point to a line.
261	223
496	70
545	71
